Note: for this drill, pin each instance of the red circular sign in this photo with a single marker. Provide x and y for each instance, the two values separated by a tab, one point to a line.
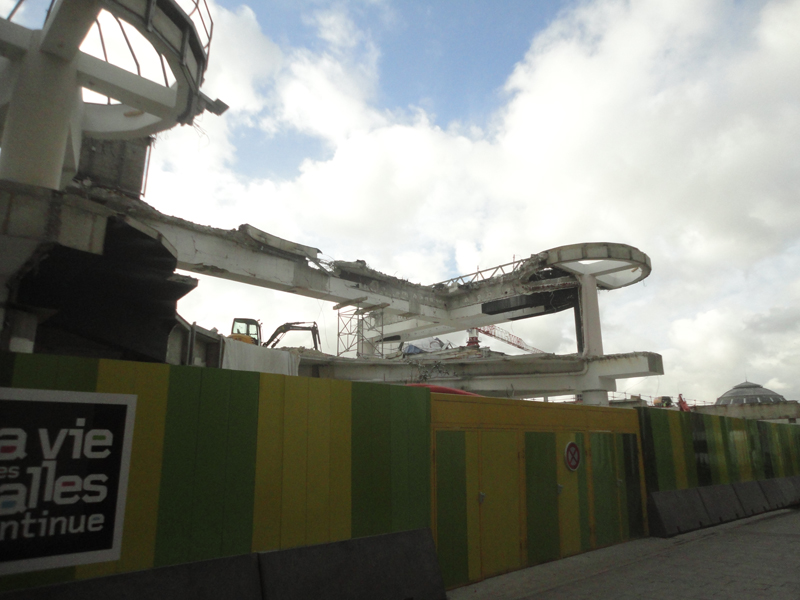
572	456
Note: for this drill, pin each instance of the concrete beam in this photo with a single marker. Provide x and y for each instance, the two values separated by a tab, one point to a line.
524	375
460	320
33	216
410	311
130	89
220	254
67	25
14	39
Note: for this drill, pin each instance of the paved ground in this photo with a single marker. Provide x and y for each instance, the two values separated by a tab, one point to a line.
752	558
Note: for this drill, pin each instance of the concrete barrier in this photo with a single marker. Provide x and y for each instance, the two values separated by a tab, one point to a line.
396	566
796	483
790	490
721	503
774	494
230	577
751	497
676	511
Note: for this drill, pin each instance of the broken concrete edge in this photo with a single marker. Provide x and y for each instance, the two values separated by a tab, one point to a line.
252	237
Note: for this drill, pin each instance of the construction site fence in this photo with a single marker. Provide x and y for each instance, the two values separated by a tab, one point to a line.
686	449
227	462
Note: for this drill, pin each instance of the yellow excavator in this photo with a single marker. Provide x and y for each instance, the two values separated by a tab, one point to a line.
249	332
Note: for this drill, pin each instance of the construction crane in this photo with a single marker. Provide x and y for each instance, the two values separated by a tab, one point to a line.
501	334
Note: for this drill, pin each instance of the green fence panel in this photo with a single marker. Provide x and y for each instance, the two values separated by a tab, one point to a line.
633	492
648	449
606	489
174	532
583	498
754	446
541	497
371	459
410	458
50	372
701	450
688	449
240	463
662	442
208	506
729	444
451	507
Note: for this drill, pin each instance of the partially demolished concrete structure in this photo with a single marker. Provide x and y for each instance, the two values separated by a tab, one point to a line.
91	271
94	274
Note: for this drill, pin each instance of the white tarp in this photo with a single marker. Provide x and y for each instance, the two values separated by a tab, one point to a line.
431	344
249	357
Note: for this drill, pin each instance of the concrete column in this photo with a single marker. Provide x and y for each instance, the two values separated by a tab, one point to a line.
37	124
592	333
590	316
364	348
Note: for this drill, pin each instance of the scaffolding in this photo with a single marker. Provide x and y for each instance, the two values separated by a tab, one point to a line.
360	331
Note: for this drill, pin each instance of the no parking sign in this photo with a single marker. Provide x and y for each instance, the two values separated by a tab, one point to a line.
572	456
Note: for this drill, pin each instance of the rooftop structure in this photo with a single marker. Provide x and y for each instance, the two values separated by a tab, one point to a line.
44	73
749	393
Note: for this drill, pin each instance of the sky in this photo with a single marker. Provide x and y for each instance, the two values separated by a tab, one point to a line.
435	138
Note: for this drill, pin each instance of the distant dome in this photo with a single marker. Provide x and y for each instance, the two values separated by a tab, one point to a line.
749	393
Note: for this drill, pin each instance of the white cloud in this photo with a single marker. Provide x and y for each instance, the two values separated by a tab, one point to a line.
673	126
242	61
336	28
320	96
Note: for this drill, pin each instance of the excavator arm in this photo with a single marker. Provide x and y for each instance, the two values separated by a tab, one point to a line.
278	334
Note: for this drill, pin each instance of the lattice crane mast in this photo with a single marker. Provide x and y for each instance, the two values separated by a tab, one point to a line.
501	334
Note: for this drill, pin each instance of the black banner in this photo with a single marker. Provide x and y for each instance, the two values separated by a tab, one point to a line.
64	460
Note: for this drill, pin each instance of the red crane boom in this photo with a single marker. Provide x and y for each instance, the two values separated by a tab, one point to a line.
504	336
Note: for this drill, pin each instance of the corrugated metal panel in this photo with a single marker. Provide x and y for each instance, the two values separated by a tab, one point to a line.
173	539
150	383
473	486
268	490
341	515
295	463
391	459
606	485
451	502
542	497
240	459
633	490
500	509
372	478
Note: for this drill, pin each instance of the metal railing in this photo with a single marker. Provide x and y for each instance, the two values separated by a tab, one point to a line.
484	274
